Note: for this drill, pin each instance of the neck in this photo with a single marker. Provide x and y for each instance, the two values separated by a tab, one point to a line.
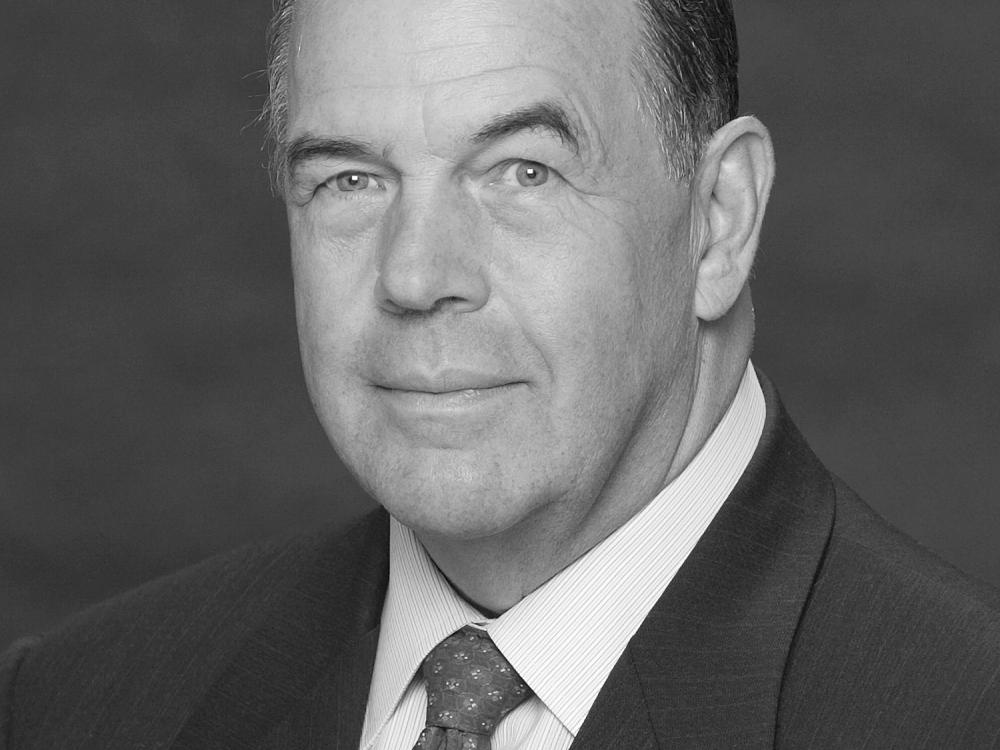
495	573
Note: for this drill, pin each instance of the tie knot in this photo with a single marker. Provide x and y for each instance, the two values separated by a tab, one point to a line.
470	685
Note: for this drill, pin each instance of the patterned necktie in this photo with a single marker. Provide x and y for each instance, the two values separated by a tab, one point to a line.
470	687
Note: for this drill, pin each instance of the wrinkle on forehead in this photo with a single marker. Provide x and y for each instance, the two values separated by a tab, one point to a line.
446	116
469	58
424	38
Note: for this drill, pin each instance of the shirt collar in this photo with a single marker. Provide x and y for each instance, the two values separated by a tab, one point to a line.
601	598
421	609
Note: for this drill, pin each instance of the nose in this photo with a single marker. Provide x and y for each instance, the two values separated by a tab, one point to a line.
430	259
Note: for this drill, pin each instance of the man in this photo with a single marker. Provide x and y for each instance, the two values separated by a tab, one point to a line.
522	234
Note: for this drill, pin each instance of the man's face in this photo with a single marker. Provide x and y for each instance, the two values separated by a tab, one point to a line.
492	269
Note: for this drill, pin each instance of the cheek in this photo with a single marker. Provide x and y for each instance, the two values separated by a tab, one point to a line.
332	282
666	288
577	297
330	267
607	302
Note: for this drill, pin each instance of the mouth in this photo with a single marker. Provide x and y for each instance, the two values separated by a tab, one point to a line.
457	397
468	391
446	383
456	417
413	400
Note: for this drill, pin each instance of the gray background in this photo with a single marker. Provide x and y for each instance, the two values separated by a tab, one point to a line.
152	405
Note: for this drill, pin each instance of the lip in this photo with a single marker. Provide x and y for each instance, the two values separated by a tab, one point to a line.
445	382
449	400
455	418
459	404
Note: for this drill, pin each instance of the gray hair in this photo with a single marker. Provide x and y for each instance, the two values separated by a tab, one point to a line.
687	61
686	64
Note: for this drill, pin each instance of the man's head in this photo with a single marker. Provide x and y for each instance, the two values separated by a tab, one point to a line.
506	299
685	67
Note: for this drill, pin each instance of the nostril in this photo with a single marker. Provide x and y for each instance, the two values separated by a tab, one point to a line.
444	304
449	302
458	290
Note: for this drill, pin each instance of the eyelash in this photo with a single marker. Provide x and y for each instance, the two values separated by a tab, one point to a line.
515	164
504	174
332	183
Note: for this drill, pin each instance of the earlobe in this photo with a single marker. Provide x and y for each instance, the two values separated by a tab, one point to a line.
730	192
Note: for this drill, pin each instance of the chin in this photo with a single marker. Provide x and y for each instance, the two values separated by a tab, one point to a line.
458	505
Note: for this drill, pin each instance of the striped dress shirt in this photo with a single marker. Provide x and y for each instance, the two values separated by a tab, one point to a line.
599	601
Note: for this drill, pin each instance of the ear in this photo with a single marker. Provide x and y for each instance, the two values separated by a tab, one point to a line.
729	194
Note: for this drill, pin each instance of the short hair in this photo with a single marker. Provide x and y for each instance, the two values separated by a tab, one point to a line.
685	64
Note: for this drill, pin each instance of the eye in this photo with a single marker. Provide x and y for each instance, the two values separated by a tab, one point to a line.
531	174
348	182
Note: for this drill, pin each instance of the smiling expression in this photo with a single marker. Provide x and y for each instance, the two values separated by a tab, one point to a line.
493	273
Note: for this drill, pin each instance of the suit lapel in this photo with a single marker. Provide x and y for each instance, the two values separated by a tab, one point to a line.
706	665
304	672
330	716
620	718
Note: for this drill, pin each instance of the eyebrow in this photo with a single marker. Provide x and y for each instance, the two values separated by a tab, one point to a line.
308	147
546	116
541	116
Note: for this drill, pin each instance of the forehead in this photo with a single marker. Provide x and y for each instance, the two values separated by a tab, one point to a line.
381	59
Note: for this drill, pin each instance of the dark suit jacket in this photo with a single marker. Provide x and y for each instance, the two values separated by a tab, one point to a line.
801	620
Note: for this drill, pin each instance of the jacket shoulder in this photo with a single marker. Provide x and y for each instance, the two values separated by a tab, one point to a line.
149	654
895	648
